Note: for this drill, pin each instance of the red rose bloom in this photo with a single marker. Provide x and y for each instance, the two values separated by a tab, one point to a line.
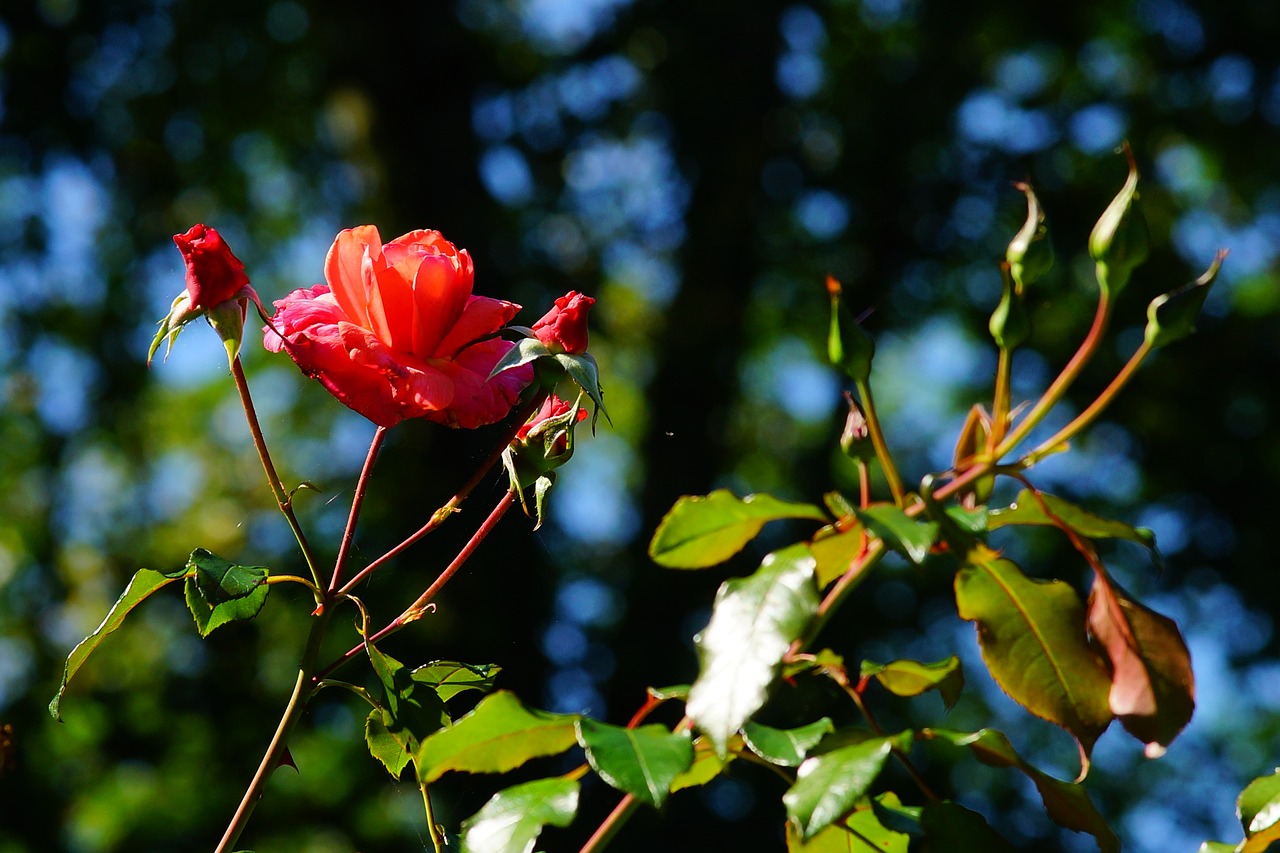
397	334
564	328
214	274
552	407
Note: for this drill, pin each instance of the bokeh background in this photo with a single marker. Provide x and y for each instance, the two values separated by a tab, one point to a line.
699	168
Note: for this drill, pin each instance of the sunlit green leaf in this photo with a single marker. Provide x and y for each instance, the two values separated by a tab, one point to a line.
220	580
512	819
835	550
1216	847
911	678
860	832
388	742
672	691
642	762
1259	804
785	747
1033	641
753	623
1152	686
499	735
828	785
1027	510
704	531
900	532
449	678
951	828
140	586
1067	803
706	765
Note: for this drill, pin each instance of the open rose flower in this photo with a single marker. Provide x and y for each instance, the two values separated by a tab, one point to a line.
564	327
397	334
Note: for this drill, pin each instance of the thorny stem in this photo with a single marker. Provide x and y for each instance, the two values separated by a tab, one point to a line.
273	479
1068	375
454	502
1090	414
276	749
356	502
877	441
415	611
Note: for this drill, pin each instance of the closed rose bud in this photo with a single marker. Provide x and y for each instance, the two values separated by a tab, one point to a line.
214	274
564	327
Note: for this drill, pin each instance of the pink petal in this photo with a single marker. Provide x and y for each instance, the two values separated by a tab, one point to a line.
344	269
440	293
481	316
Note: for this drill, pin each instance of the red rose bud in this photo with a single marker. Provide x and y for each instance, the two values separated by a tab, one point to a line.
564	328
214	274
217	288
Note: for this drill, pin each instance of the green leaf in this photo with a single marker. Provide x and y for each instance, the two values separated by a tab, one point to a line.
673	691
785	747
1033	641
1172	316
140	586
642	762
209	617
585	373
499	735
911	677
704	531
1067	804
1027	510
219	591
1259	804
525	351
1152	686
828	786
220	580
388	741
835	550
951	828
413	711
860	832
512	819
753	622
901	532
1216	847
706	765
450	677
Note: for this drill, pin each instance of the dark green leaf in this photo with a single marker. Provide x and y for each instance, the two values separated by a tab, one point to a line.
1067	804
785	747
449	677
220	580
1152	686
499	735
209	617
911	678
1027	510
704	531
753	623
951	828
585	373
1033	642
413	710
142	584
828	786
901	532
512	820
642	762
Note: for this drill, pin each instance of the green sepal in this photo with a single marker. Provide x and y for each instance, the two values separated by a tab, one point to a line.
1010	324
1119	241
585	373
525	351
1030	254
227	320
849	347
1172	316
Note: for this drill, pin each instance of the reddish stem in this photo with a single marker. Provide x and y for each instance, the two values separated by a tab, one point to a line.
356	502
